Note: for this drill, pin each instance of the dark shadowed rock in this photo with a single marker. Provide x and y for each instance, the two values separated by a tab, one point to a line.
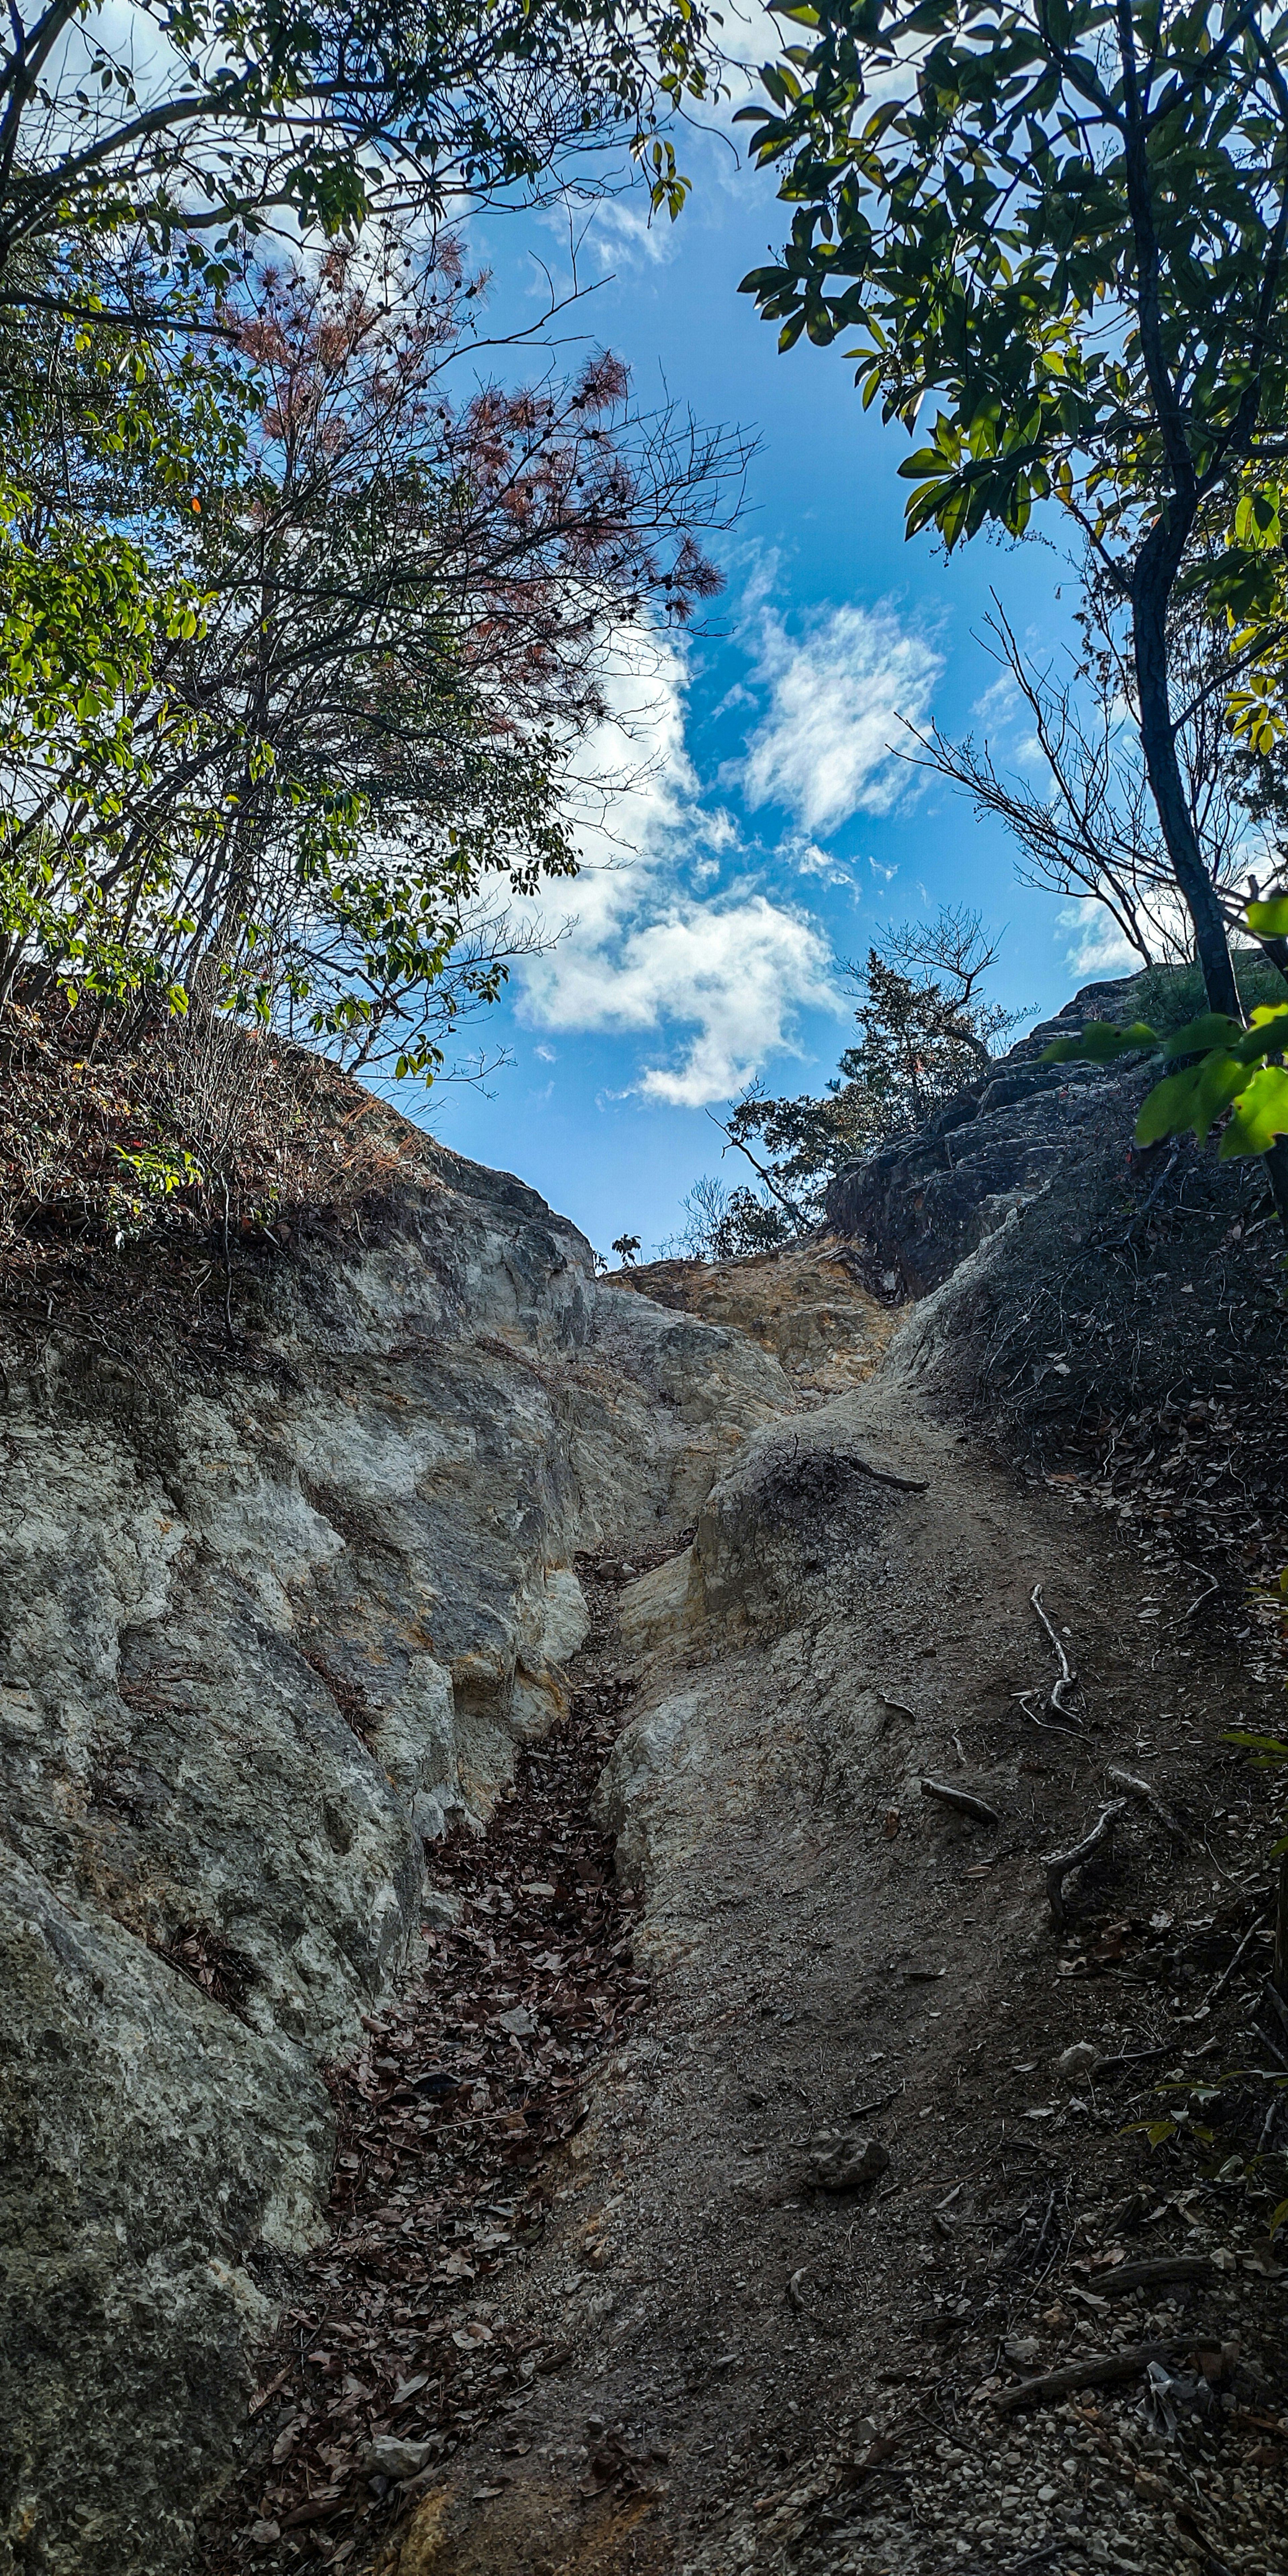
916	1208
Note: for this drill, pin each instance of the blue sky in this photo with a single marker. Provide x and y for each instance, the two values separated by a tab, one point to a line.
773	836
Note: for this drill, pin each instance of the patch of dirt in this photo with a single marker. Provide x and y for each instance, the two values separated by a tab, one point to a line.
806	1303
702	2360
151	1167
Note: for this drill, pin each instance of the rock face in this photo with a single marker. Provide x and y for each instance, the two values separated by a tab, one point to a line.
262	1637
804	1303
913	1211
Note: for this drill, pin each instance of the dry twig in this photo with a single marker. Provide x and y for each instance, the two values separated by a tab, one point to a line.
1143	2276
1068	1678
1057	1865
976	1808
1095	2370
1227	1972
1148	1797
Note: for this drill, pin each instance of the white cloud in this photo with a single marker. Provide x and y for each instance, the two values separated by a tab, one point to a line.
806	857
1099	947
823	748
729	975
716	979
808	860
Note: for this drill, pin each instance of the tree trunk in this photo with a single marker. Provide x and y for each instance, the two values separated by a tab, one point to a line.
1155	573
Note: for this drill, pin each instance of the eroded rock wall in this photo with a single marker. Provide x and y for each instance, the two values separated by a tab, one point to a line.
261	1638
911	1212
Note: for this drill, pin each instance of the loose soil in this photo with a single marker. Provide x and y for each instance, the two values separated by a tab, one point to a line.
589	2265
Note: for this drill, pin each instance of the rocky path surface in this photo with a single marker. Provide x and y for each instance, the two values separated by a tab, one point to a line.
757	2141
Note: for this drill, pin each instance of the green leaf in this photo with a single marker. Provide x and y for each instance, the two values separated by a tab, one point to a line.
1268	919
1267	1748
1261	1116
1212	1029
1157	2131
1194	1099
1101	1042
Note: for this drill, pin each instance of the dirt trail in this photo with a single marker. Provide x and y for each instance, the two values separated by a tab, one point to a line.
711	2360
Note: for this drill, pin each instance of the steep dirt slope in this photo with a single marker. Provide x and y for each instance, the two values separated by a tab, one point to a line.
733	2363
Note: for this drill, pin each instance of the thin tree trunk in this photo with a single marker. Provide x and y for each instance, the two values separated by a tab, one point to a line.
1151	593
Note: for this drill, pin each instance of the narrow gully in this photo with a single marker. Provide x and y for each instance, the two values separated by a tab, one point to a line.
395	2345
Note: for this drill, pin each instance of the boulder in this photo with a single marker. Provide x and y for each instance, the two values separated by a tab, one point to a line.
912	1211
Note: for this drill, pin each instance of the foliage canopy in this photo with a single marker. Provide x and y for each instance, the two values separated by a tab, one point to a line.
1063	224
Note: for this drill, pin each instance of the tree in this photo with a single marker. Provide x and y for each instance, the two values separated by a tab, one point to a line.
1065	223
187	126
922	1038
297	799
1227	1073
1086	824
726	1225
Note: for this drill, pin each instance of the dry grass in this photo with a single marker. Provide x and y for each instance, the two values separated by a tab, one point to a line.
140	1163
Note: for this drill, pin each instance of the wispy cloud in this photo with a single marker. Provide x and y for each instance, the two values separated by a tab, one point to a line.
836	692
1098	948
805	857
715	979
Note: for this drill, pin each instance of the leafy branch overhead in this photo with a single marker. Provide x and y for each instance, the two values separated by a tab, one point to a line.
977	184
294	654
1225	1067
190	124
1053	235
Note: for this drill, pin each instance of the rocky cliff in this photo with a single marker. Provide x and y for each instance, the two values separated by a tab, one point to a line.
265	1630
911	1212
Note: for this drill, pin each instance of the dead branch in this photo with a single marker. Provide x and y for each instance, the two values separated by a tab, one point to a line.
1142	2276
1131	2057
886	1476
977	1808
1227	1972
1148	1797
1097	2370
1068	1678
1213	1586
1057	1865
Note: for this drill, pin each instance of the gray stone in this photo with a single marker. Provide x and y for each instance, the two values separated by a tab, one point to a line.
914	1210
839	2162
390	2458
1082	2059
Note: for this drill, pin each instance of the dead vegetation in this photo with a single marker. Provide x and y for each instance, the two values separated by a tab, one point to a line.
146	1162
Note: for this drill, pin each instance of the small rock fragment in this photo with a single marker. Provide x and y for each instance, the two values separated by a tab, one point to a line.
519	2023
841	2162
1082	2059
387	2457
